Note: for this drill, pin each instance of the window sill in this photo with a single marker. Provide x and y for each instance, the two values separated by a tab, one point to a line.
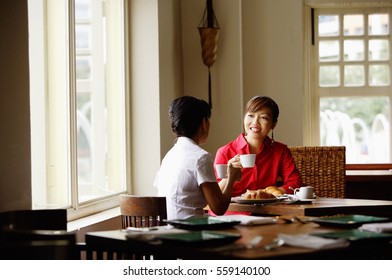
368	175
84	222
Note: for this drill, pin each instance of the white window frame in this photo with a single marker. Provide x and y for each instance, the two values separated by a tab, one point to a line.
311	121
57	169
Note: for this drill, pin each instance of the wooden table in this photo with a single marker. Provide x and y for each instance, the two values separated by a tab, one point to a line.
116	241
320	207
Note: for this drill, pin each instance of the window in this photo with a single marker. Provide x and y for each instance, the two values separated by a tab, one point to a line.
350	82
78	110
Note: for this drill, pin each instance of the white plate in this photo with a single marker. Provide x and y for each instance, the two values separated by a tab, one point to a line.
294	197
242	200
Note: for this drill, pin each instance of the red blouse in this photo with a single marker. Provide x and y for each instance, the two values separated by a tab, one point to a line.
273	161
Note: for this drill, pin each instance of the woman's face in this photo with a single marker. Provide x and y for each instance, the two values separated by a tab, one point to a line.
258	124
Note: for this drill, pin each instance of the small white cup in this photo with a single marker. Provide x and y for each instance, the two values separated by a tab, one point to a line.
221	170
248	161
304	192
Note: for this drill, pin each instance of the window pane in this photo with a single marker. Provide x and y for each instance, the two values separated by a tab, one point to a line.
328	25
379	75
378	50
360	124
84	138
354	75
82	33
378	24
329	76
354	72
99	155
83	68
354	50
353	25
82	9
100	100
329	50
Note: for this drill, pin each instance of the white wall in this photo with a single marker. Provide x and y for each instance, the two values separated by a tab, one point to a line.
259	53
273	60
156	79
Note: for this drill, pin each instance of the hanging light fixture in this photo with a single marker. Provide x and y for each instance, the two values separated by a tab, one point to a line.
209	34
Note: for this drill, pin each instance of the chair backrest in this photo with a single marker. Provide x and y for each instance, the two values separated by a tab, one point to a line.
322	167
142	211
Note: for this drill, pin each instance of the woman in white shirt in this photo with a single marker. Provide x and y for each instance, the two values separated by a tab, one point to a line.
186	176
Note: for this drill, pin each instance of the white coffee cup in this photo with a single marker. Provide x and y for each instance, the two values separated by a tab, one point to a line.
248	160
304	192
221	170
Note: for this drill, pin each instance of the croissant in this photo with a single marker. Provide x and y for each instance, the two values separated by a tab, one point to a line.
273	190
258	194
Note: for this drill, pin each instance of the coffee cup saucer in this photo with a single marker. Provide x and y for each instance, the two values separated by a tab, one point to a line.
294	197
307	199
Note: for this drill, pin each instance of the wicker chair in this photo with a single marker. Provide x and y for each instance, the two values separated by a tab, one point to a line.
324	168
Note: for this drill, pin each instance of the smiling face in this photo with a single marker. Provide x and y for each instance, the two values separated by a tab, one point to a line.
261	115
258	124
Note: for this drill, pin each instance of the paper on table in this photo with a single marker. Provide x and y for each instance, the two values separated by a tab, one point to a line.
248	220
377	227
150	233
313	242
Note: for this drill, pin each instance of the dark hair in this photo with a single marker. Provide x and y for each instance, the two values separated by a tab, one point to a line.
256	103
186	114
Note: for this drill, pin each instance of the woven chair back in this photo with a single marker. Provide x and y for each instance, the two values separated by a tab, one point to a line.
324	168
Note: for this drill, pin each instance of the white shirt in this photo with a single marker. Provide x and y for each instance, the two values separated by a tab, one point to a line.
184	168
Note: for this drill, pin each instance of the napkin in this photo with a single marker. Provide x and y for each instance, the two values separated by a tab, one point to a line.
377	227
248	220
313	242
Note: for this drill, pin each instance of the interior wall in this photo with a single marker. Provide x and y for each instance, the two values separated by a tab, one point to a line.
226	77
273	61
156	79
15	165
170	66
144	87
259	53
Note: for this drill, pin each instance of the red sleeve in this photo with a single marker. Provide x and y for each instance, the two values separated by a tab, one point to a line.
290	174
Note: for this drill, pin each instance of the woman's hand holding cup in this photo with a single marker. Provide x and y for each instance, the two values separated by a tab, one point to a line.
235	161
234	172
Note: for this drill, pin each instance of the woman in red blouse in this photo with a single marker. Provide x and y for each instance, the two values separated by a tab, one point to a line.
273	159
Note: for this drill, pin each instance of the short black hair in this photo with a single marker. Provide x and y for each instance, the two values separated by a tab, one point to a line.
186	114
257	102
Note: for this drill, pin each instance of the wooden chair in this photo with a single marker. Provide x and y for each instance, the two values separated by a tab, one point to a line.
142	211
322	167
136	211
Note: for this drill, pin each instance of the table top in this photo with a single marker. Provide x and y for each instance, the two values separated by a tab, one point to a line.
320	207
117	239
